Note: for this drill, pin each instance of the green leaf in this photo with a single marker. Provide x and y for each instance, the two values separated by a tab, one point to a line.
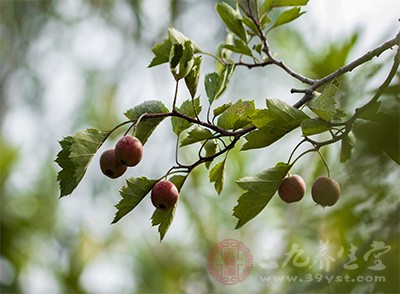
211	149
132	193
264	20
339	114
217	176
273	123
175	55
66	175
217	111
181	60
250	24
85	145
269	4
177	37
75	156
179	124
259	191
161	52
263	137
239	47
347	145
224	77
335	56
187	61
262	117
192	79
163	219
324	105
382	135
237	116
146	127
279	113
313	126
215	84
232	19
287	16
196	135
370	111
211	81
258	48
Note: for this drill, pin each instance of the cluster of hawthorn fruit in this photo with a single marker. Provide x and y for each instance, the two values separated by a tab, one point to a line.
128	152
325	191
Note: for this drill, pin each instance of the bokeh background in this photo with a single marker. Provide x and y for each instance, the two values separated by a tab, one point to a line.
71	64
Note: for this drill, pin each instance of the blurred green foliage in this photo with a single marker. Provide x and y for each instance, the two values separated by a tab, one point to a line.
42	244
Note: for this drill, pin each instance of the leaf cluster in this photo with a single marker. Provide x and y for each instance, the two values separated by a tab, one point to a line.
248	24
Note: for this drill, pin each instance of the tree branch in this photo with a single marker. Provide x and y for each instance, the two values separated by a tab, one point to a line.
198	122
211	157
348	124
348	68
384	85
314	85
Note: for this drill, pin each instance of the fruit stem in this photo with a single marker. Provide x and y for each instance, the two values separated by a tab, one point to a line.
136	124
177	150
302	154
208	114
115	128
130	127
171	172
325	163
213	56
175	96
294	150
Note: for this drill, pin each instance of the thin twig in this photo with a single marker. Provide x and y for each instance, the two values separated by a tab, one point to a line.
348	68
175	96
211	157
199	122
270	58
115	128
176	150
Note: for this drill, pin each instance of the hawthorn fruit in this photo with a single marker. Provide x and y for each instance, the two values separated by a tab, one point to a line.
164	195
325	191
129	150
292	189
110	165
